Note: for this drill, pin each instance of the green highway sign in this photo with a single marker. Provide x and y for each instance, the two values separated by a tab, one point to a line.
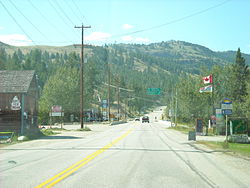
153	91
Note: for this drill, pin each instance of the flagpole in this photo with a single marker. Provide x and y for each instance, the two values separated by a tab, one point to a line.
212	100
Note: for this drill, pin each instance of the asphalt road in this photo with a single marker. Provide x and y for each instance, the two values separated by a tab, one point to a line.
132	155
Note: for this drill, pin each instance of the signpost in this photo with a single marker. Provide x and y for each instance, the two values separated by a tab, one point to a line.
227	108
153	91
56	110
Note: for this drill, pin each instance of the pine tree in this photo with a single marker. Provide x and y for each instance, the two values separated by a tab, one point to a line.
240	76
3	59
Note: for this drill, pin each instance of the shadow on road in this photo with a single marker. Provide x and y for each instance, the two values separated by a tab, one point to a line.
59	137
117	149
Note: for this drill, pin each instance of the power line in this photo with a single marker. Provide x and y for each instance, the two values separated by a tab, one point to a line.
47	20
176	20
57	12
29	21
17	23
61	9
171	22
79	11
68	4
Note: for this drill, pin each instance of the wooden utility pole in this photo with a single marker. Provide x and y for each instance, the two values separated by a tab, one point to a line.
106	48
81	76
118	98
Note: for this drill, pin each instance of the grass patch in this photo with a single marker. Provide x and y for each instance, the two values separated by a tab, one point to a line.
84	129
48	132
183	129
242	149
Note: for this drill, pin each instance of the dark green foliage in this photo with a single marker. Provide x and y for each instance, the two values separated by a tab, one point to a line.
170	66
240	76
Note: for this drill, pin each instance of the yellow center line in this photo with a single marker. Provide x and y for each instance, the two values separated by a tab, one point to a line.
65	173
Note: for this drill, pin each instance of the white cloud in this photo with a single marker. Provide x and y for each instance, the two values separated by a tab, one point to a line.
139	39
97	36
127	26
15	39
127	38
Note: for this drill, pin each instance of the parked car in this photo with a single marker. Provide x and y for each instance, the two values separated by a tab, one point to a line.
145	119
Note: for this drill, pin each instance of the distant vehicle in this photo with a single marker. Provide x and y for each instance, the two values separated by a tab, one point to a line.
145	119
137	119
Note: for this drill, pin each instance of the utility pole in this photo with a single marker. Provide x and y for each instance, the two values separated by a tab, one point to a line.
81	76
118	100
176	107
106	48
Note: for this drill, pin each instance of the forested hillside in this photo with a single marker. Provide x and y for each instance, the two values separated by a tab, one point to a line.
175	66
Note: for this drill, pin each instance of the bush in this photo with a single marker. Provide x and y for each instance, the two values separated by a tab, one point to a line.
84	129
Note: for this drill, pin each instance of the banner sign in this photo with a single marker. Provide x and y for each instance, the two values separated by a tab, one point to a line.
15	104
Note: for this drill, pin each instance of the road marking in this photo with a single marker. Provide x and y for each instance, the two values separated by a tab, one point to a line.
65	173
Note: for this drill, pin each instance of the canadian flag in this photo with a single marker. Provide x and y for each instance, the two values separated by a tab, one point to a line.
208	79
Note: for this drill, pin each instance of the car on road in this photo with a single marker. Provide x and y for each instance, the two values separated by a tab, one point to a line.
137	119
145	119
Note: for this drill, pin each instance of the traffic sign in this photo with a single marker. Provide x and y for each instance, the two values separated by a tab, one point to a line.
227	111
227	106
154	91
227	101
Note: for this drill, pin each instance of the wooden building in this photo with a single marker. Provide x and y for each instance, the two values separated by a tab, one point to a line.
18	101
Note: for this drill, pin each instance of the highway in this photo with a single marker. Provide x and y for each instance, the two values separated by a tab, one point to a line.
131	155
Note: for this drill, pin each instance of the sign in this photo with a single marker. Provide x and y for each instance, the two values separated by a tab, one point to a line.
105	103
15	104
56	114
227	111
153	91
227	106
56	110
226	101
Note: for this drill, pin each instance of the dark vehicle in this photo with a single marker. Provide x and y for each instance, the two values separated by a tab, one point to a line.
137	119
145	119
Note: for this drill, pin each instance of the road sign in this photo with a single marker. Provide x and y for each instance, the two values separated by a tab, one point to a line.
227	111
105	103
227	106
59	114
227	101
153	91
56	110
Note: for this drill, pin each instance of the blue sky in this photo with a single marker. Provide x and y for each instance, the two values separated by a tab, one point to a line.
217	24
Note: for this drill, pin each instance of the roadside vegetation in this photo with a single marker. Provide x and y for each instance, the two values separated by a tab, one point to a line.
236	148
84	129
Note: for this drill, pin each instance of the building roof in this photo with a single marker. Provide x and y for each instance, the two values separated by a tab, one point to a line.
15	81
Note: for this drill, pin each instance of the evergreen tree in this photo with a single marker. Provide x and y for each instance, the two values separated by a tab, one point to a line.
3	59
240	77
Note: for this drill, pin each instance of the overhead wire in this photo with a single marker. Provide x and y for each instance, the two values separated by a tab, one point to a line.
79	11
74	12
138	31
29	21
51	23
171	22
60	16
17	23
65	15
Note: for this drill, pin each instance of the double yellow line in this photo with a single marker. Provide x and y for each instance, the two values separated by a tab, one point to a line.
62	175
